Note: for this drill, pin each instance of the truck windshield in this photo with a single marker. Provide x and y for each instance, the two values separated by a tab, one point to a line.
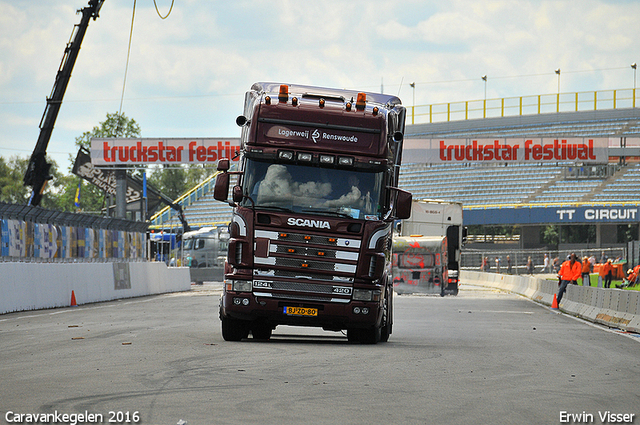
298	188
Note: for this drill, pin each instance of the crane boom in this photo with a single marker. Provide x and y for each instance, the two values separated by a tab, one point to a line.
37	173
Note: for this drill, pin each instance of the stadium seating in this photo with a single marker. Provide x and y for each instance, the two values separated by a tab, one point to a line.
494	184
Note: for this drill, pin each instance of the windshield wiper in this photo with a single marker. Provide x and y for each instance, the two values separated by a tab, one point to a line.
325	212
274	207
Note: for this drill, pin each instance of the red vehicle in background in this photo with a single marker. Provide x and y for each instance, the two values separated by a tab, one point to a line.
314	206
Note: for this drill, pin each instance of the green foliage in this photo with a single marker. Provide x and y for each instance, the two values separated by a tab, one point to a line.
92	199
550	236
174	181
12	190
116	125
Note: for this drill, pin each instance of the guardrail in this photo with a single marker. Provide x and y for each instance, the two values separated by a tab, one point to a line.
615	308
524	105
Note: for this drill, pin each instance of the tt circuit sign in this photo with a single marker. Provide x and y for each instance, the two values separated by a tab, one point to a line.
552	215
130	151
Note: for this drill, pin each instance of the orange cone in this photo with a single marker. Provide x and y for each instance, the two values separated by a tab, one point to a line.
554	304
73	299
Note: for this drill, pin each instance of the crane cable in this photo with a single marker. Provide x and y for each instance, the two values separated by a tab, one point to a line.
158	12
126	68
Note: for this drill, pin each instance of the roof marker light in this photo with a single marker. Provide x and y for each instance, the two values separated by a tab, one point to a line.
327	159
286	155
375	111
294	101
305	156
321	102
348	106
283	96
360	103
267	100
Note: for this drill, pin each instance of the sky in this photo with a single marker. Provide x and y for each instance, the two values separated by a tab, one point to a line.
187	74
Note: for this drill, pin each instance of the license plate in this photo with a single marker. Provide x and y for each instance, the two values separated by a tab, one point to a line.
300	311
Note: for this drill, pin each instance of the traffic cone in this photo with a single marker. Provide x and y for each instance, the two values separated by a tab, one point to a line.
554	304
73	299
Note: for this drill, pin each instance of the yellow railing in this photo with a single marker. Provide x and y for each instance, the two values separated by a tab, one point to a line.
164	215
524	105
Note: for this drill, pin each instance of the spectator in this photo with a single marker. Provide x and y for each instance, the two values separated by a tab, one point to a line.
497	264
592	261
602	273
556	265
608	266
569	273
603	258
630	280
547	265
508	264
586	268
530	266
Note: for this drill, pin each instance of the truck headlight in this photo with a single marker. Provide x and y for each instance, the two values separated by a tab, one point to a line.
366	295
239	285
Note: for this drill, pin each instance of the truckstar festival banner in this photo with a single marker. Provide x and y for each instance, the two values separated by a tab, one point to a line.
511	150
128	151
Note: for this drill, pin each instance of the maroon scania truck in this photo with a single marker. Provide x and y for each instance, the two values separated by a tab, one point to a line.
313	211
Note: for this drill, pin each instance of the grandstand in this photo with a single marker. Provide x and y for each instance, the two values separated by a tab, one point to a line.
500	186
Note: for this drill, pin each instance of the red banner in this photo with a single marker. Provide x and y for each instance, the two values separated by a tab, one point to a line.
512	150
114	151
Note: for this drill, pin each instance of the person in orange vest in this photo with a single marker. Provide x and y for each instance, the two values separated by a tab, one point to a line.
602	272
570	272
608	273
586	268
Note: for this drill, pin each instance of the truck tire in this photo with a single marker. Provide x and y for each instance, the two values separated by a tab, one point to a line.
387	317
371	335
261	331
353	335
234	329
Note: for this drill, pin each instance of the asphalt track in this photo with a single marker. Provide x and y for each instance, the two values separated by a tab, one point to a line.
483	357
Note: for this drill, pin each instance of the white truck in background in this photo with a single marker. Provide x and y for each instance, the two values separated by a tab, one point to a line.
427	247
204	251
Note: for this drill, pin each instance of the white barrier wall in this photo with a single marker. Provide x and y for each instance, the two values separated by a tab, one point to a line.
32	286
611	307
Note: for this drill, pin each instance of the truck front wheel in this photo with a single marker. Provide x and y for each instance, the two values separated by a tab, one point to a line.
261	331
234	329
387	317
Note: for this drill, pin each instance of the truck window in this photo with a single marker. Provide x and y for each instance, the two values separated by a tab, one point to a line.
199	244
298	188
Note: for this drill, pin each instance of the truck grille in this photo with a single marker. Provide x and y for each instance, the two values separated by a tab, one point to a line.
317	262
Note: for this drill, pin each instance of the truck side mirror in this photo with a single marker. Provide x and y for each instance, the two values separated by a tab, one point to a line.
221	189
237	194
403	204
223	165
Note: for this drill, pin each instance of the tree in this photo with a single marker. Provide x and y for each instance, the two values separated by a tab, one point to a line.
175	181
11	174
92	198
116	125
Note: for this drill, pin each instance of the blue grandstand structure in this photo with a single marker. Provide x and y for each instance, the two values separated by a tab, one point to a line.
530	195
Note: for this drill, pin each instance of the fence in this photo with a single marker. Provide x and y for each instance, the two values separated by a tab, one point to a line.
34	234
524	105
473	259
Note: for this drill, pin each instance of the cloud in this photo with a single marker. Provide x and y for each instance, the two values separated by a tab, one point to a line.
188	73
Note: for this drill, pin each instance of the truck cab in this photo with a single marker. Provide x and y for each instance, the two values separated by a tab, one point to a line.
205	247
314	204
